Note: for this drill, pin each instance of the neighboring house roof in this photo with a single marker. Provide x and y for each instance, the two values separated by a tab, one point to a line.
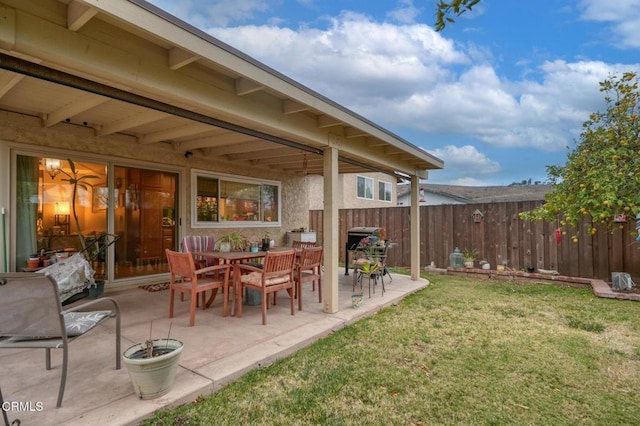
482	194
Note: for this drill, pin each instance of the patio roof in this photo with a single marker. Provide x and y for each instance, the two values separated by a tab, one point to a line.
127	67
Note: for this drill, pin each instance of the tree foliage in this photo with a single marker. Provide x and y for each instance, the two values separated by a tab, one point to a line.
601	179
445	11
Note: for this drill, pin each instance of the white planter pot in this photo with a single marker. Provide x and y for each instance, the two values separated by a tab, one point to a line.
153	377
468	263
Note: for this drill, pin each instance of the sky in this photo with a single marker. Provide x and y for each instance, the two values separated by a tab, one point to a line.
498	96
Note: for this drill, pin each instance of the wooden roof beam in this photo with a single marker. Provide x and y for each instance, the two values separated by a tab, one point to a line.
173	133
293	107
179	58
264	154
145	117
325	121
8	80
244	86
72	109
352	132
374	142
79	14
240	148
219	144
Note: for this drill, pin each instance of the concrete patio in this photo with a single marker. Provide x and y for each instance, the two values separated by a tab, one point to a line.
217	351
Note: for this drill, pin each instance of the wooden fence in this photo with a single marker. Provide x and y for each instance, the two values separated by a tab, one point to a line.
500	237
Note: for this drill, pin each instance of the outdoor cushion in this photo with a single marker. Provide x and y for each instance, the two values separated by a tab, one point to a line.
255	278
78	323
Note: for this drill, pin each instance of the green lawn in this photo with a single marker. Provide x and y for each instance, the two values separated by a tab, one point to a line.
458	352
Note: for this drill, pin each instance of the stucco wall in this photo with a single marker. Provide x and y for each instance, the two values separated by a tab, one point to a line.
348	192
25	135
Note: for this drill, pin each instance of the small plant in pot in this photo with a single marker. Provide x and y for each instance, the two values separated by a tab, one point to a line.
233	242
265	241
152	366
469	257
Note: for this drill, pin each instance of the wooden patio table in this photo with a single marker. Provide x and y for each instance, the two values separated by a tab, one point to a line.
234	257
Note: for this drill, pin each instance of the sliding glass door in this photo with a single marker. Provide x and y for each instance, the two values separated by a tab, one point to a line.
61	207
145	218
64	205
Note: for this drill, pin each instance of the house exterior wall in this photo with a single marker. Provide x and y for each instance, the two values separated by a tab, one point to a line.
348	191
25	135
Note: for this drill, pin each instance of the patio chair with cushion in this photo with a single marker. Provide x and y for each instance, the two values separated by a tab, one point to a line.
31	317
296	244
276	274
309	269
186	279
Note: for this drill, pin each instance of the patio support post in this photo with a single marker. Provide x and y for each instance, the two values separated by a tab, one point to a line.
415	227
330	231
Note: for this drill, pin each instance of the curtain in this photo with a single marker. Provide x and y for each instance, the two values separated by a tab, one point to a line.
26	208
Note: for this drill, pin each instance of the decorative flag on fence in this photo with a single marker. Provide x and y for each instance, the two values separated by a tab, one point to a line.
559	235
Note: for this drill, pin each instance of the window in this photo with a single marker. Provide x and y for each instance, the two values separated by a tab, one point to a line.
220	200
365	187
384	191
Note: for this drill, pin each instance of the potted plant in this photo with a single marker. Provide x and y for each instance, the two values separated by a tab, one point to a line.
233	242
152	366
265	241
469	257
76	181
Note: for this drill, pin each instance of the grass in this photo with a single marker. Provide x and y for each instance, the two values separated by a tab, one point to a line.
458	352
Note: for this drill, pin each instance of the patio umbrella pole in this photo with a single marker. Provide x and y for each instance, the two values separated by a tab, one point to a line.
4	239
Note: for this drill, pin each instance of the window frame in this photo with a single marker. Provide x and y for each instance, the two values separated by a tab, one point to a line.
195	223
367	180
387	189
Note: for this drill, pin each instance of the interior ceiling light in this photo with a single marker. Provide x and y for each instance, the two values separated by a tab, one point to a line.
52	166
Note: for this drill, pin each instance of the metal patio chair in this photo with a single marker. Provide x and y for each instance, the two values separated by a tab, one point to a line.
31	317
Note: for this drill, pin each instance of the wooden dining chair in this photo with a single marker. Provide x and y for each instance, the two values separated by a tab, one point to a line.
276	274
303	244
186	279
199	243
309	269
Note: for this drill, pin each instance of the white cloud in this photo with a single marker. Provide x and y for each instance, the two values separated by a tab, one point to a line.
406	13
622	14
354	61
468	181
203	14
409	76
466	159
